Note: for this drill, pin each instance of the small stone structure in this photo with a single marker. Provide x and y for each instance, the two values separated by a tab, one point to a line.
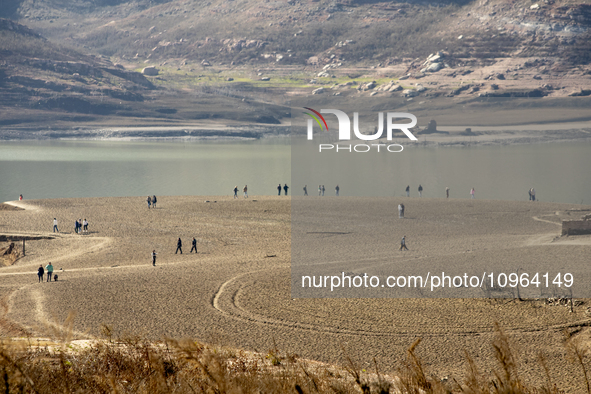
577	227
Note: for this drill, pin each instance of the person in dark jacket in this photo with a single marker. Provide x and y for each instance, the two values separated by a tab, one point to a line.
154	201
179	245
194	243
279	190
403	243
40	273
285	187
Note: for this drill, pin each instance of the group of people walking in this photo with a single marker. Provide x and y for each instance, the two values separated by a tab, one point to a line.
41	272
407	190
179	248
244	191
420	189
401	210
285	188
322	189
151	200
80	226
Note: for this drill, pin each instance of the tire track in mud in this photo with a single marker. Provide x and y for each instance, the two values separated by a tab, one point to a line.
225	302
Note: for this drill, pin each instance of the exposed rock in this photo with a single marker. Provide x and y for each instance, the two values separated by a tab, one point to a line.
459	90
265	78
312	60
431	127
409	93
581	92
517	93
433	62
318	91
150	70
205	63
373	93
388	87
434	68
367	86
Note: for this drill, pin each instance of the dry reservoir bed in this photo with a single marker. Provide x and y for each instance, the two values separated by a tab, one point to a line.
236	290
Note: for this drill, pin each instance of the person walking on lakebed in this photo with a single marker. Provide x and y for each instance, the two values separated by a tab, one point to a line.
194	245
179	246
49	269
55	225
403	243
154	257
279	190
40	273
285	187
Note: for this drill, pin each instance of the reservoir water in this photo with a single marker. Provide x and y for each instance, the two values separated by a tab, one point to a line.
559	172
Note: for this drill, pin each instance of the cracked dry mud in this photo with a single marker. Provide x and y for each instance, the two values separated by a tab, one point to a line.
232	293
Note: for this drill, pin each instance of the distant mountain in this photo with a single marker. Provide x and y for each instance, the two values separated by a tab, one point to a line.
241	61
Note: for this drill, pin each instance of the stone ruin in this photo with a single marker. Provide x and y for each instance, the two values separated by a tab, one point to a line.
577	227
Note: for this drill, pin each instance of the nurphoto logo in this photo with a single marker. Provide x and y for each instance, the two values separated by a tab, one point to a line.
345	130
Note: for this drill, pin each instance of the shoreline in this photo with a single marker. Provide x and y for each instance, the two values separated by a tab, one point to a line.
211	199
531	133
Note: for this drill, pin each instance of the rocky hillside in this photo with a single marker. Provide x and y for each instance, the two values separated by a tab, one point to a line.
302	32
37	75
250	56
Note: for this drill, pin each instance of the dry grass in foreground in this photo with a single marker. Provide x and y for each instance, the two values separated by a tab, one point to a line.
135	365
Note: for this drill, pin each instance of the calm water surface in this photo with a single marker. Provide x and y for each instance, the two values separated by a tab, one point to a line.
559	172
53	169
